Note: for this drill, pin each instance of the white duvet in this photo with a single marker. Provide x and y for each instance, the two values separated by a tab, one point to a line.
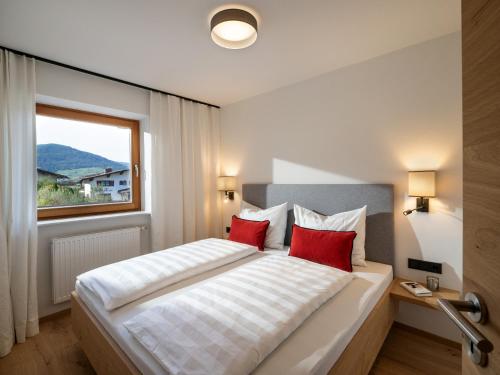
123	282
229	324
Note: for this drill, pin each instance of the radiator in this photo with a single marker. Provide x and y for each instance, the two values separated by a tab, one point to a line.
74	255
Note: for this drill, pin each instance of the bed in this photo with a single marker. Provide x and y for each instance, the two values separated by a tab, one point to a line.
343	336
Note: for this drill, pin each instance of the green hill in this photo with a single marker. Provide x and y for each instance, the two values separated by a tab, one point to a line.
55	158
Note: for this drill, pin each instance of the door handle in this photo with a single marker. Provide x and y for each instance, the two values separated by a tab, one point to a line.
478	345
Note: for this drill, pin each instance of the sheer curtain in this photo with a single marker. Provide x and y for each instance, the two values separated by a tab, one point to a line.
18	228
185	140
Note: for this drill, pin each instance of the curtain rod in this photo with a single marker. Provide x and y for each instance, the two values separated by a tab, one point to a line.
43	59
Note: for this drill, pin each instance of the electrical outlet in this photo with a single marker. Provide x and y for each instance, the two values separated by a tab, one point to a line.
424	265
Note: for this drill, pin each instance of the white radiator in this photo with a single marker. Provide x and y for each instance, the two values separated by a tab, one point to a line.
74	255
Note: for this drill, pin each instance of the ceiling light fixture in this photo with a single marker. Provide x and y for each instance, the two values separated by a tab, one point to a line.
234	28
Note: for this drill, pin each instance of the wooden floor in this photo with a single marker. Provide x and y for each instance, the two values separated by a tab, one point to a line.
55	351
407	351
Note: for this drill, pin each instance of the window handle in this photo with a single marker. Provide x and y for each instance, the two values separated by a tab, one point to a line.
136	168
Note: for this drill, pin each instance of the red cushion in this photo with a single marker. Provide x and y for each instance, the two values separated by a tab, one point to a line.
249	231
327	247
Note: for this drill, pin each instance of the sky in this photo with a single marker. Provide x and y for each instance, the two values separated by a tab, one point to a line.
111	142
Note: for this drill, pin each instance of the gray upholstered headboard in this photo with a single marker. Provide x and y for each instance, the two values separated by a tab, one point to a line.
332	199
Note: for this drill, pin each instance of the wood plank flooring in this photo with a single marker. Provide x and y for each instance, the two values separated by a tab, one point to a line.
56	351
407	351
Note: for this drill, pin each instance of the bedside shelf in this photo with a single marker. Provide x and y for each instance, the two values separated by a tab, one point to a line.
399	293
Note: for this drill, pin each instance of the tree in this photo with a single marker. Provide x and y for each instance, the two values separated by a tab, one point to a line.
52	194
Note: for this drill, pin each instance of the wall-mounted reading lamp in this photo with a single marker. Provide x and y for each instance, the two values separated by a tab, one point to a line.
227	184
422	185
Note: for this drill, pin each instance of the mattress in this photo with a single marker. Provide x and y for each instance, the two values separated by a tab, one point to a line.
312	349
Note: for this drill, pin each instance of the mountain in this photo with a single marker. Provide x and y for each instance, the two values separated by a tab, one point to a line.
54	157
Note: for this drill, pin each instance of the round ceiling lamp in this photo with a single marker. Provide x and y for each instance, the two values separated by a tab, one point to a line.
234	28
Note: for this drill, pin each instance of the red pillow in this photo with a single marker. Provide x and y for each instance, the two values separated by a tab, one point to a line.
327	247
249	231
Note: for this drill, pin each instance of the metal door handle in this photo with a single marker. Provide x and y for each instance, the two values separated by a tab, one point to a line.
478	345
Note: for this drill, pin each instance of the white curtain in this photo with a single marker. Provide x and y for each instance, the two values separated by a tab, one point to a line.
18	227
185	140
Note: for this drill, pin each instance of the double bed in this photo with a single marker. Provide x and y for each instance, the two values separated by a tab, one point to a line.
343	336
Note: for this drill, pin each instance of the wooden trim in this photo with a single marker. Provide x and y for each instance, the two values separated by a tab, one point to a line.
85	210
107	357
102	351
46	213
54	316
428	335
362	351
75	114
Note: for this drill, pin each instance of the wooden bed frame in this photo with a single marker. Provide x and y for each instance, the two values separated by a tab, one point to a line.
357	359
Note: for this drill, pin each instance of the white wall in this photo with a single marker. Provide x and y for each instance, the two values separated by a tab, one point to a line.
59	86
368	123
86	91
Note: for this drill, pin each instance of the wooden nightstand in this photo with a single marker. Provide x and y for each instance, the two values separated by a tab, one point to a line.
401	294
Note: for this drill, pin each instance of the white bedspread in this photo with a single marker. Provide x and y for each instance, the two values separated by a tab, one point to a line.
123	282
229	324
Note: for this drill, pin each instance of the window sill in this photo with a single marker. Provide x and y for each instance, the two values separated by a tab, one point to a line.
92	218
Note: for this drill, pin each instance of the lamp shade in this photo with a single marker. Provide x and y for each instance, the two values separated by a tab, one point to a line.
226	183
234	28
422	184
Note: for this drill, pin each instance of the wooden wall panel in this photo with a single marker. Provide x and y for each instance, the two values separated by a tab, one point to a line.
481	132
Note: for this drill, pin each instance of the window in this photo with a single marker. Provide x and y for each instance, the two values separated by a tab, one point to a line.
105	183
82	160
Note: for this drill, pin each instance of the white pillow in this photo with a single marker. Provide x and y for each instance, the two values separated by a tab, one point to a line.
354	220
276	215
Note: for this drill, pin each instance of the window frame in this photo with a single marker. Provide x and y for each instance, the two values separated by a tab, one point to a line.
48	213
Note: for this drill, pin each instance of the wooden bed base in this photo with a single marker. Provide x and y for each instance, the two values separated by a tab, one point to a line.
101	349
360	354
357	359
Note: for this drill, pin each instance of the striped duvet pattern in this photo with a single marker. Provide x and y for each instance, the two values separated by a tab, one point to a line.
123	282
229	324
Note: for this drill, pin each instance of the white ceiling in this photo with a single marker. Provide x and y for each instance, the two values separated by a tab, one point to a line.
166	43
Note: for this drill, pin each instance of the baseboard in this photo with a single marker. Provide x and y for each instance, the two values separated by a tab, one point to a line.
55	315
